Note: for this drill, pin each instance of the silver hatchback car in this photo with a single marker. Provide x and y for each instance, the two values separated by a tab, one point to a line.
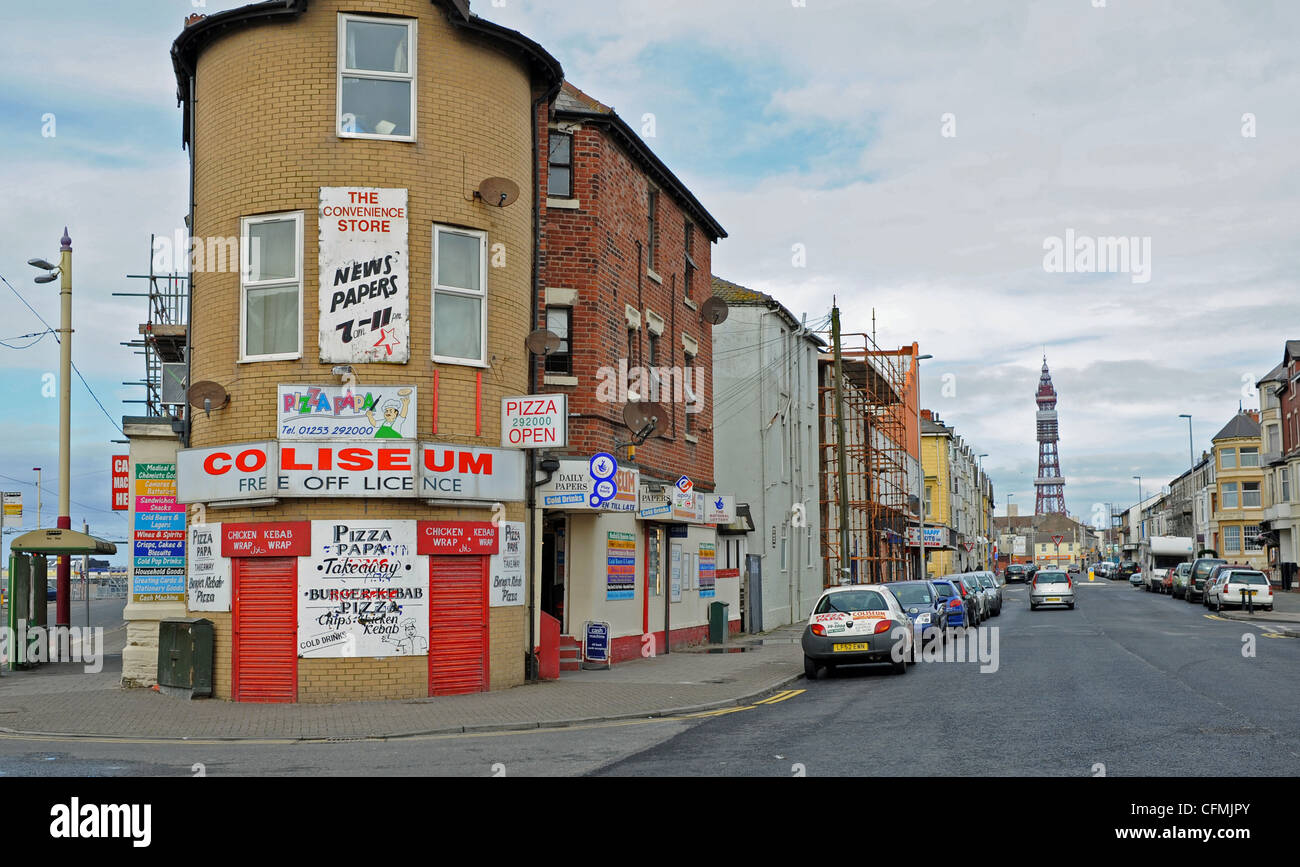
1051	587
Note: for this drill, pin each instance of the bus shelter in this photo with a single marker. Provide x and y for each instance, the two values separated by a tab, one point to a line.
28	590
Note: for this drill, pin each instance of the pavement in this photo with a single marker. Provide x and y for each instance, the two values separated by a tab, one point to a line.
1285	614
63	700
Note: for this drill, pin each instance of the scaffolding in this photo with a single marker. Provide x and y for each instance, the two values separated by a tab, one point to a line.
876	450
163	338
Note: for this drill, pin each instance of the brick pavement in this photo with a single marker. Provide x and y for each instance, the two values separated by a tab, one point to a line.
60	699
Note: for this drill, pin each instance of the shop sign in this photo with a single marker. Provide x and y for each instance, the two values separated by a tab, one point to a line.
653	505
324	412
13	503
209	572
620	565
506	567
456	537
684	508
934	536
466	473
595	641
241	471
266	539
120	473
158	536
719	508
708	564
538	421
346	469
363	591
364	276
571	487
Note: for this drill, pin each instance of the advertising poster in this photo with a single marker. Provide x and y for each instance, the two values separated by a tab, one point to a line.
506	567
323	412
209	572
620	568
675	574
708	569
158	536
364	276
363	591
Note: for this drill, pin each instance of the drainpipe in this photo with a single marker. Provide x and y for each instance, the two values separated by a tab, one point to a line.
532	663
189	296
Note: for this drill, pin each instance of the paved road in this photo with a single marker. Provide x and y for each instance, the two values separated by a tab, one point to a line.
1137	683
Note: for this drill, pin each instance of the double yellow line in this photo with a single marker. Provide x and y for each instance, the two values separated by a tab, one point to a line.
771	699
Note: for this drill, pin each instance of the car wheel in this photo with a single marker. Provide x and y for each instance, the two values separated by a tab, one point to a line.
1069	605
810	668
1269	608
1218	604
900	667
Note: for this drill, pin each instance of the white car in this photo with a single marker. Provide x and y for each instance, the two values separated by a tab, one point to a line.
856	624
1153	580
1051	587
1228	590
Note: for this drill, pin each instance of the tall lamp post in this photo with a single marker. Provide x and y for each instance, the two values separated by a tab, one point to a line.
920	462
63	607
1191	453
1141	523
37	470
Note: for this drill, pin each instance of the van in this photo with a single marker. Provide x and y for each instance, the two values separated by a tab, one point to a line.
1201	568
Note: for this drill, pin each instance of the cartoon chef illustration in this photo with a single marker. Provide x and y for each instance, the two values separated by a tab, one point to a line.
412	643
394	416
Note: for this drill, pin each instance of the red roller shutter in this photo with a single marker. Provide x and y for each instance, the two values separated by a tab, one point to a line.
458	624
266	629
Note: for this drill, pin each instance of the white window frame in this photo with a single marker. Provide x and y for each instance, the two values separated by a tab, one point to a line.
1223	459
481	361
1259	494
245	263
342	70
1245	451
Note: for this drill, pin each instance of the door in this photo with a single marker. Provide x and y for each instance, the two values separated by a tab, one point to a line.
458	624
265	629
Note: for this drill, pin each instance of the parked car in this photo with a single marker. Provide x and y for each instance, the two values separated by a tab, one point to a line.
856	624
977	594
1137	580
1031	570
1178	587
955	605
1153	580
1201	568
1229	585
1014	572
1051	587
990	582
1072	569
1126	568
921	601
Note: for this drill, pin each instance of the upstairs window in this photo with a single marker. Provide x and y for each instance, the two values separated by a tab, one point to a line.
558	322
1229	495
376	78
1250	457
652	230
559	177
459	295
1250	495
1228	459
690	262
271	286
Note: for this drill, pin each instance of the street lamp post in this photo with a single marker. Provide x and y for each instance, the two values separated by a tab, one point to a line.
37	470
63	606
920	463
1141	523
1191	453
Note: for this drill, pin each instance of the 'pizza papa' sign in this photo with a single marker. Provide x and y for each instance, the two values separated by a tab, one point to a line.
364	275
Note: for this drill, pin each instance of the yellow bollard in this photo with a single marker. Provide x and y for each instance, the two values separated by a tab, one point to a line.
1090	575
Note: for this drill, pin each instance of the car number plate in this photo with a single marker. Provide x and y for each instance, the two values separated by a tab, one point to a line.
1053	598
839	648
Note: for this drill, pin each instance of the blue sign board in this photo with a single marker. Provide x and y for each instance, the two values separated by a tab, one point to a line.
595	641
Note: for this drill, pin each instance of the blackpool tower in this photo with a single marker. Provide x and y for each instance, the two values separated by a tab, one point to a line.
1049	484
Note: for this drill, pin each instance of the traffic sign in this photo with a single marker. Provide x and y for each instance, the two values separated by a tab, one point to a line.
1057	539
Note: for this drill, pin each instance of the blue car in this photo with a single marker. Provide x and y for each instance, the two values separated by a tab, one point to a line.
954	605
921	601
51	593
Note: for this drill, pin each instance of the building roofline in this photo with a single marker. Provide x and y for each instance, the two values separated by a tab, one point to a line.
202	32
654	166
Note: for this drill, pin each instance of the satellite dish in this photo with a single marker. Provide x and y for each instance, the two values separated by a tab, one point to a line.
543	342
498	192
210	392
647	417
714	311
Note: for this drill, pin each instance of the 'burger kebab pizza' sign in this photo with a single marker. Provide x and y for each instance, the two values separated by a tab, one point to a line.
364	276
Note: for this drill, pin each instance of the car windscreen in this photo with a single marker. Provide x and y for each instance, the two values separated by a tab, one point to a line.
1204	567
945	589
1247	578
913	594
848	601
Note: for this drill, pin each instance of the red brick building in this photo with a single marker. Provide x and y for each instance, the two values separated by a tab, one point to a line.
624	261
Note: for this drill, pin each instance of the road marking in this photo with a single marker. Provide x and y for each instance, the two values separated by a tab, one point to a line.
782	696
708	713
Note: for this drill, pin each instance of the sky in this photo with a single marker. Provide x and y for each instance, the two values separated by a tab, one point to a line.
911	158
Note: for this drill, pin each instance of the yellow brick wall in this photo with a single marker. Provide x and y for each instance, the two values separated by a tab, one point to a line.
265	142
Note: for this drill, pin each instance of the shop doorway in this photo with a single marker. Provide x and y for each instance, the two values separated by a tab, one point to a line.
265	629
555	586
458	624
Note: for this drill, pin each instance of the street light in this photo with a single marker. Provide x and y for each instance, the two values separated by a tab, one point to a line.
37	470
1191	453
1141	524
920	463
63	606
